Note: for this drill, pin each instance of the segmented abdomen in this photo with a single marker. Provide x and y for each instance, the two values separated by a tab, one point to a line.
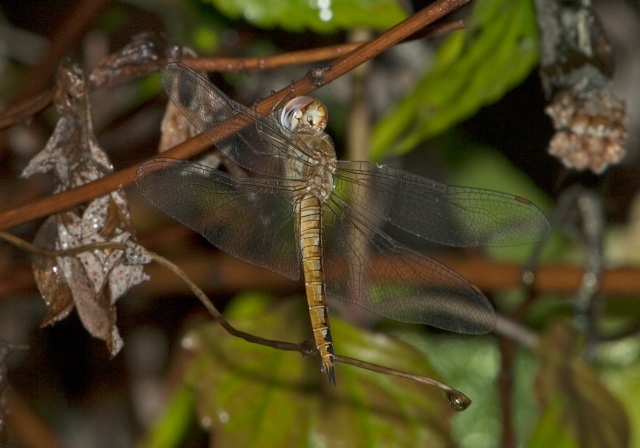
310	225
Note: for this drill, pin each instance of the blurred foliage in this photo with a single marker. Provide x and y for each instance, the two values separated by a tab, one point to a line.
623	379
256	396
474	67
321	16
172	427
577	409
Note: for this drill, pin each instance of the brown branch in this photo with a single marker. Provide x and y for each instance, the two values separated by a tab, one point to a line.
36	103
231	275
16	281
314	79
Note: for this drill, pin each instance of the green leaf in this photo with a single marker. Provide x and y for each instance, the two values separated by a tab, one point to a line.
300	15
258	396
473	68
577	408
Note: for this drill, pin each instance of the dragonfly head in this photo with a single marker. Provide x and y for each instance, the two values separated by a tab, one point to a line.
304	113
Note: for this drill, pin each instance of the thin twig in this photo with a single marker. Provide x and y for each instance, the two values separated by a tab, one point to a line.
242	65
218	317
314	79
457	400
27	246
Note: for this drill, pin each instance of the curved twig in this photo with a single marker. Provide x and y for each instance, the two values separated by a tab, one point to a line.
457	400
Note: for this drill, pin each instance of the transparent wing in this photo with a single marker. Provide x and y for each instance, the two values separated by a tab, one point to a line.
365	266
454	216
251	219
256	142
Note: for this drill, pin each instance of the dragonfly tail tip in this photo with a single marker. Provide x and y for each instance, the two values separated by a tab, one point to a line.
330	371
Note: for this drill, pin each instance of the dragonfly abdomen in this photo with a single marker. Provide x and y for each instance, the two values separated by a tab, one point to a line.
310	224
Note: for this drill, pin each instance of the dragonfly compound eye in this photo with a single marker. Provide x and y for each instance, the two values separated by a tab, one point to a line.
304	112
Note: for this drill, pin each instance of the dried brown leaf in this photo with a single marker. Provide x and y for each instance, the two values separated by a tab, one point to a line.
96	312
146	53
49	276
92	280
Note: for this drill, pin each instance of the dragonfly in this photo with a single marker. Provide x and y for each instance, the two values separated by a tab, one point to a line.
299	209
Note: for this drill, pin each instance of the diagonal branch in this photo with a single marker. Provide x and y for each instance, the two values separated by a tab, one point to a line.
314	79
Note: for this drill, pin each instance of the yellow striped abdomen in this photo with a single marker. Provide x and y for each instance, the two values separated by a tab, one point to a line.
310	225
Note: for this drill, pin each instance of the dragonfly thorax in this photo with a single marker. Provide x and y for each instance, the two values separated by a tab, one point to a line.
318	171
307	118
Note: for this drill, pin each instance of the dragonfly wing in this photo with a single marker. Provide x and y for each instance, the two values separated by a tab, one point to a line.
251	219
253	141
365	266
454	216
